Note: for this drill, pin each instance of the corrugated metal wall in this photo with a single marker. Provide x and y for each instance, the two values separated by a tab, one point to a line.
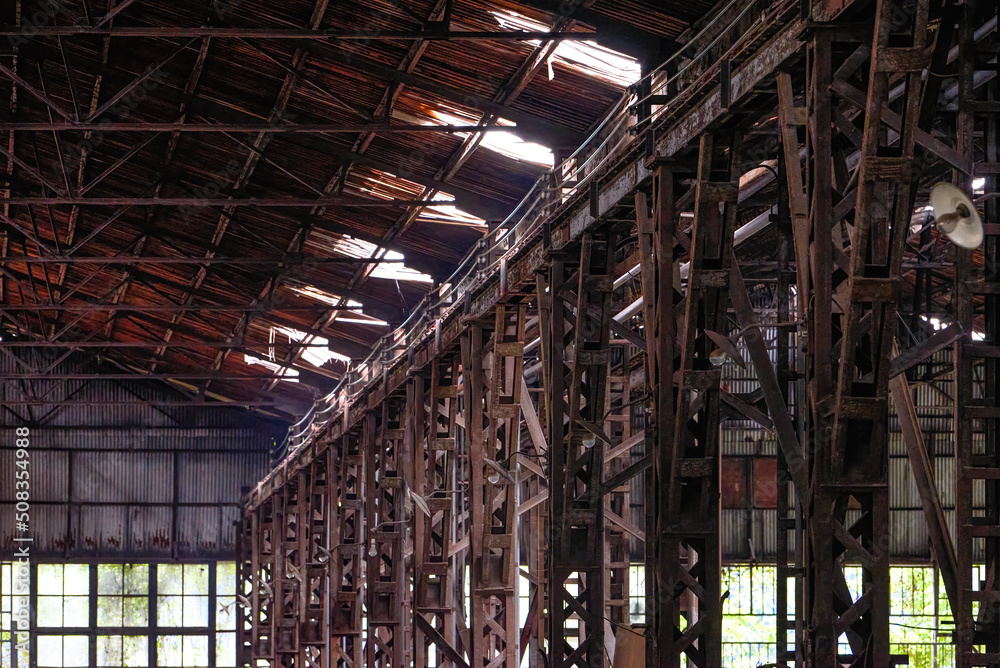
119	479
749	531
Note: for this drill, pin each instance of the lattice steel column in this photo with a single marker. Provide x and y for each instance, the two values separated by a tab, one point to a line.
850	465
692	550
313	565
262	569
347	550
286	588
656	245
976	300
384	581
576	462
245	577
492	419
619	530
434	483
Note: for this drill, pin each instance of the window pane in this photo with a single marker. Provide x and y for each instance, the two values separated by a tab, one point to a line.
225	614
76	611
50	579
225	650
169	610
225	578
135	611
49	611
169	579
76	651
195	651
49	651
168	651
109	651
109	611
136	579
109	579
196	579
76	580
135	650
195	611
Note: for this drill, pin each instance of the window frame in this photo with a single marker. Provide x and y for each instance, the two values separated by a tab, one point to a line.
152	630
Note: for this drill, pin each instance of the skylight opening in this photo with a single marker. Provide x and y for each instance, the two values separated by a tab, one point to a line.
355	315
367	320
938	325
505	143
316	354
312	292
384	185
290	375
448	214
586	57
358	248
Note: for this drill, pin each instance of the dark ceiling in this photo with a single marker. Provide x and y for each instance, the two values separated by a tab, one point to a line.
189	183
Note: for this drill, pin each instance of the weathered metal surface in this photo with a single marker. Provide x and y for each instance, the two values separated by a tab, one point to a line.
977	489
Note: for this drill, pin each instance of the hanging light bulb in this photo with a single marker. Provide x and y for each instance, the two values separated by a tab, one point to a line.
717	357
493	477
372	551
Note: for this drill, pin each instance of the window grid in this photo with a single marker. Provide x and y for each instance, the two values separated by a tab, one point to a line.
110	615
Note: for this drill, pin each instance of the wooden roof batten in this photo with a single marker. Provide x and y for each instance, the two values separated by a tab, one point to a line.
136	134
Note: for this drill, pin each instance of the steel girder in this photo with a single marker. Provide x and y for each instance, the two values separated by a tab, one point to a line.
847	503
347	549
435	483
576	453
385	586
976	300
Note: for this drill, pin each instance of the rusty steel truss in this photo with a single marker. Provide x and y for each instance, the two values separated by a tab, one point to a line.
479	496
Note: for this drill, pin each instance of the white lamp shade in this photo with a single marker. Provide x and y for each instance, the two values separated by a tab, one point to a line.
964	230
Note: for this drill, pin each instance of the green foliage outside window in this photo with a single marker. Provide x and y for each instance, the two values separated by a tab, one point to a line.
100	616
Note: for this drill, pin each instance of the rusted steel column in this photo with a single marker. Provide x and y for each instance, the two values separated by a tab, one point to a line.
849	419
576	461
620	532
261	582
538	554
976	300
384	574
492	424
347	549
245	576
434	516
656	246
691	525
286	590
312	566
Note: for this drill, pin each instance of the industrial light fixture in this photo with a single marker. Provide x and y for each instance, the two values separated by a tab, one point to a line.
498	472
419	502
955	216
725	347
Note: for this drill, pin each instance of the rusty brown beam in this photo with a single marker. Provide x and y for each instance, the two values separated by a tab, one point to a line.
918	353
268	202
169	32
171	308
923	475
251	128
137	259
